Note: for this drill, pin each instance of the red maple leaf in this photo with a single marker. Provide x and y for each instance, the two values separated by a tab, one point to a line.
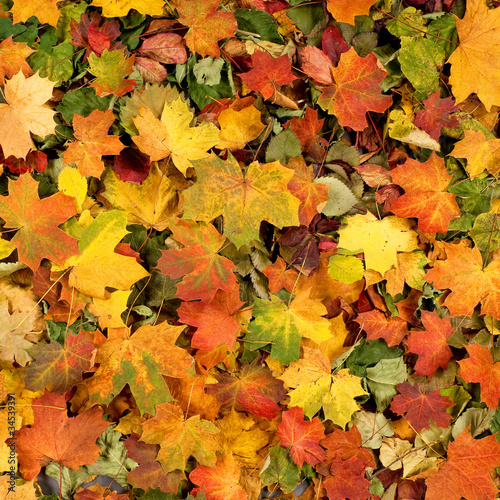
217	322
421	408
347	480
479	367
253	389
38	222
466	472
435	115
204	271
425	194
302	436
431	345
268	73
376	326
54	437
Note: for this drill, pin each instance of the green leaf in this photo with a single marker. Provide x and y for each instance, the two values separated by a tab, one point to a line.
444	28
368	354
81	102
70	479
56	64
281	469
340	197
259	22
208	71
409	22
283	146
345	268
486	232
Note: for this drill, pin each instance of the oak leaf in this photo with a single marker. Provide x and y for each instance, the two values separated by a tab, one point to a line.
173	135
425	194
462	272
347	480
301	436
243	198
204	271
139	360
479	367
120	8
13	59
380	240
206	25
38	222
179	438
479	36
431	345
253	389
376	326
54	437
218	321
420	408
344	11
356	90
25	112
268	73
238	127
466	472
221	482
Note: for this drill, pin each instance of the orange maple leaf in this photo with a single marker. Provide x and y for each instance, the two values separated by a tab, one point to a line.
344	11
347	480
376	326
13	59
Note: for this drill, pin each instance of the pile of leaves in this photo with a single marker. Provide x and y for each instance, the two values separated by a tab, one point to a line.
250	244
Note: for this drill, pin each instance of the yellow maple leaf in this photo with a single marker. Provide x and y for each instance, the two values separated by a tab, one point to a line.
109	311
475	64
151	203
173	135
25	112
480	153
71	183
46	11
380	240
120	8
239	127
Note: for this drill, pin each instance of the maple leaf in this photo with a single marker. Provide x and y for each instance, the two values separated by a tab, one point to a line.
282	325
301	436
380	240
152	203
425	194
139	360
435	115
59	368
25	112
111	69
109	311
280	276
421	408
480	153
479	37
98	266
344	11
466	472
204	271
253	389
119	8
38	236
206	25
431	345
13	59
238	127
243	198
221	482
479	367
54	437
410	270
173	135
45	10
356	90
462	272
179	438
149	474
302	185
93	142
268	73
217	322
375	324
347	480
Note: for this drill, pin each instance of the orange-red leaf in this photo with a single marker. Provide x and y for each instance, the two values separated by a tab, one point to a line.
421	408
376	326
431	345
356	90
54	437
436	114
347	480
466	472
302	436
13	59
221	482
344	11
425	194
279	276
479	367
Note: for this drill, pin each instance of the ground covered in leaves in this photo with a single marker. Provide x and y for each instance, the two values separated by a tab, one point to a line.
250	244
